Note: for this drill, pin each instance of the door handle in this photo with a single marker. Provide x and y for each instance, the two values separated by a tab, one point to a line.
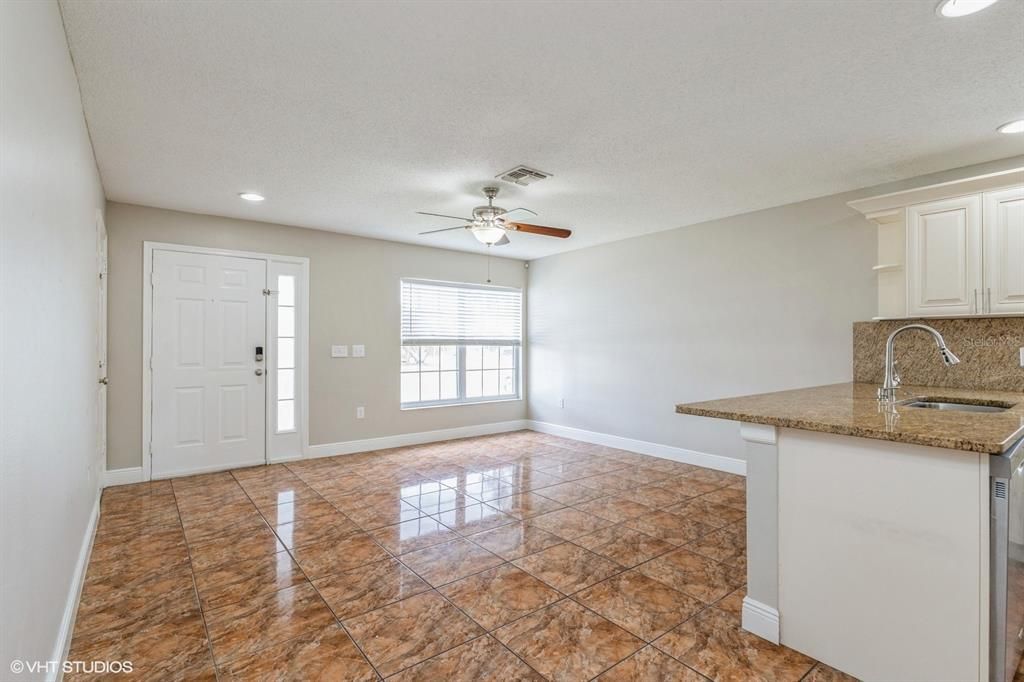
104	381
259	372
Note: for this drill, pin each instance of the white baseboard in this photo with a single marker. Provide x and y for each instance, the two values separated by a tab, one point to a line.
761	619
702	459
122	476
67	623
404	439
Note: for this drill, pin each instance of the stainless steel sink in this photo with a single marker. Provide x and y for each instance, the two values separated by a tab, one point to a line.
959	407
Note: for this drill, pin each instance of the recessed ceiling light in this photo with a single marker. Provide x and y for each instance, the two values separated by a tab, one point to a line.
1012	127
251	196
961	8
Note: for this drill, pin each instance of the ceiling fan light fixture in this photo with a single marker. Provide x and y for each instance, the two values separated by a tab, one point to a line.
961	8
487	234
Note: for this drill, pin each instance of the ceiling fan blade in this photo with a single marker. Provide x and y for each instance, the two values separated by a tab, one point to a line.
446	229
501	242
513	210
540	229
442	215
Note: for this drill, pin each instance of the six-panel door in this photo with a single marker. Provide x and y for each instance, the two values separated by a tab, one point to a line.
209	390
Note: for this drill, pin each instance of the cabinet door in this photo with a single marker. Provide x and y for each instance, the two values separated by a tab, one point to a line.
944	257
1004	251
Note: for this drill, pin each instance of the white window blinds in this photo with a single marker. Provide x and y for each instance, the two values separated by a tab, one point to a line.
448	313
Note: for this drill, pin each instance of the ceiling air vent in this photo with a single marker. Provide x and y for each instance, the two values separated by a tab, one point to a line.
523	175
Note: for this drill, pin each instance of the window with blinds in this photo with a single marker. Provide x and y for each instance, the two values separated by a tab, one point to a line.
460	343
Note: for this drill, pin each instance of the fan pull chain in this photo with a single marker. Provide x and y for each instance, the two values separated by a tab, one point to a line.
488	263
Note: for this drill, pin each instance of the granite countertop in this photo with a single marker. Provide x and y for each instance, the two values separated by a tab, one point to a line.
852	410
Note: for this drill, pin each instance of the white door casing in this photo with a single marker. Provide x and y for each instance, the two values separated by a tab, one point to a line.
101	342
944	257
208	400
1004	251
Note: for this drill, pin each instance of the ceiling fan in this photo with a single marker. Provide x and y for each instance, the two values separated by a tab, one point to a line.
490	224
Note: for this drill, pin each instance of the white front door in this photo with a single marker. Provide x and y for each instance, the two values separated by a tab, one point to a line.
209	388
101	344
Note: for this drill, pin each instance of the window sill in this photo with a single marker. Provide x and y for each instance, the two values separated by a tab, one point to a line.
471	403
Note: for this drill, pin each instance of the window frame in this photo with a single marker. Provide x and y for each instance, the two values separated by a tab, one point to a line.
461	369
461	379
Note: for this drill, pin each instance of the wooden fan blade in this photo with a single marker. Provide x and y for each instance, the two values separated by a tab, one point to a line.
445	229
442	215
540	229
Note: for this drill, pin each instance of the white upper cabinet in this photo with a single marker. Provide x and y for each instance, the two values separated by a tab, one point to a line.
944	257
1004	251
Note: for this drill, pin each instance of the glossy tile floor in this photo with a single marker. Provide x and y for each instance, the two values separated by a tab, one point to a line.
509	557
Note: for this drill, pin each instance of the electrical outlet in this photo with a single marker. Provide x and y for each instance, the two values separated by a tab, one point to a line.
360	412
359	351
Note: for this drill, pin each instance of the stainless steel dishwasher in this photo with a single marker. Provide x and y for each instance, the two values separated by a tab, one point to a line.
1006	548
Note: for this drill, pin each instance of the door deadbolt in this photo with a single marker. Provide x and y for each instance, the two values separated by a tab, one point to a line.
259	353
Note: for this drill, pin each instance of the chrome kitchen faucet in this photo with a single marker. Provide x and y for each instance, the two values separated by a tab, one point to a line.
887	393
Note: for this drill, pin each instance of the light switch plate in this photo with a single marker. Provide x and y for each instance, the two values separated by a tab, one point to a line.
360	412
359	351
339	351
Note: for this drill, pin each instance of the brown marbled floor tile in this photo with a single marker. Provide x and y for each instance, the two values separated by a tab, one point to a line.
148	576
688	487
380	515
125	493
714	644
216	508
284	492
733	602
290	512
170	644
499	595
532	479
651	665
489	489
235	547
694	575
608	484
327	654
338	555
641	474
615	508
369	587
150	509
441	501
129	610
709	513
483	658
409	536
204	482
569	493
569	523
525	505
245	580
565	641
653	496
128	543
719	478
450	561
638	604
672	528
473	519
823	673
365	497
726	544
246	627
407	632
567	567
625	546
516	540
730	497
315	529
214	526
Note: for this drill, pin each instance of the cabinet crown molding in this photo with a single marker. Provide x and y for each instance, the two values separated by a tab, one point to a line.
886	208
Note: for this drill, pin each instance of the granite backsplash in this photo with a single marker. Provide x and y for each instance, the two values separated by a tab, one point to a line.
988	348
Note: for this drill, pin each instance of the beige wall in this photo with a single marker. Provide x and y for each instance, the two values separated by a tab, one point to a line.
752	303
353	299
49	451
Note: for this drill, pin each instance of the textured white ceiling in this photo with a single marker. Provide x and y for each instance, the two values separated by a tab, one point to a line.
350	116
